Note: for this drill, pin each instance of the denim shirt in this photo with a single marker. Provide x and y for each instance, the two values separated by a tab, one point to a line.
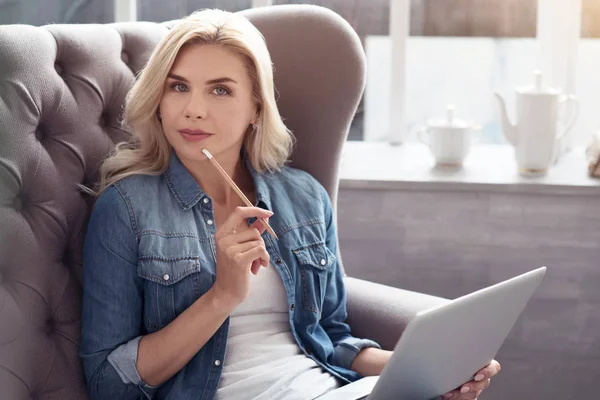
149	253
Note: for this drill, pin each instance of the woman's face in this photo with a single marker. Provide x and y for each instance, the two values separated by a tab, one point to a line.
207	102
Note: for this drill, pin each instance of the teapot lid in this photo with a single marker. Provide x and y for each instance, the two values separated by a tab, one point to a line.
450	121
538	87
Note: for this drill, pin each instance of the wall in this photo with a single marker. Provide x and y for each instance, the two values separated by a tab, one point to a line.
449	243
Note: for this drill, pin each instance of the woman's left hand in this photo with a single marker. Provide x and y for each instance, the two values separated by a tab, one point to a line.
472	390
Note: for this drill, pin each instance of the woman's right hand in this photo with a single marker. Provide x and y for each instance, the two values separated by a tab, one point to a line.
239	253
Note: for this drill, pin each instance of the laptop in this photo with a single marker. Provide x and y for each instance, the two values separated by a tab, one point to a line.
444	346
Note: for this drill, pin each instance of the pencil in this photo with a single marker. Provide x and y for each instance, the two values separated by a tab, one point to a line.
237	189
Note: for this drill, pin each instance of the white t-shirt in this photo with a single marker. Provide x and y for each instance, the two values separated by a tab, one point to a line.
262	360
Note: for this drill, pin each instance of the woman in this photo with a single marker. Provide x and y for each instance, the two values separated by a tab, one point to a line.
185	295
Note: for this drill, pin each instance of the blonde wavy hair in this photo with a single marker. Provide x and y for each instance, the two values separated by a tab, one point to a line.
148	152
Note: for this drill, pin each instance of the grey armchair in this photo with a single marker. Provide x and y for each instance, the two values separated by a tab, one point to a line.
62	88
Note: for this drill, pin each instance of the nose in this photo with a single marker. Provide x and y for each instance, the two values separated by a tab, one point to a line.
196	108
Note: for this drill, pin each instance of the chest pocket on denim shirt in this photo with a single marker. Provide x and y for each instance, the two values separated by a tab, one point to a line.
314	261
175	272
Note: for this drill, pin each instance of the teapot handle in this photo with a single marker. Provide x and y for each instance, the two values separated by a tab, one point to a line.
421	132
569	99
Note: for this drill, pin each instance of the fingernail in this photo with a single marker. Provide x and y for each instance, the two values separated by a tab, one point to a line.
465	389
269	212
479	377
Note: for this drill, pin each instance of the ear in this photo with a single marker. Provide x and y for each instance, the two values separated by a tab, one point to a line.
256	114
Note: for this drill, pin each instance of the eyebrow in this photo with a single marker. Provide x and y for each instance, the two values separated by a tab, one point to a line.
209	82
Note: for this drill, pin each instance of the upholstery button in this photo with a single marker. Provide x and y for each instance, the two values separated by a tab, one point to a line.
104	118
18	203
166	277
323	262
39	134
50	325
210	222
217	362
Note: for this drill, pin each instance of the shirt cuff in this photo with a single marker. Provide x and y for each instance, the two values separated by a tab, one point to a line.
347	350
123	359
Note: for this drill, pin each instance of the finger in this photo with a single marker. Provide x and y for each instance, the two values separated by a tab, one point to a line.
469	396
455	394
255	267
477	384
472	390
260	225
259	253
458	395
244	247
483	385
239	215
488	371
247	235
496	366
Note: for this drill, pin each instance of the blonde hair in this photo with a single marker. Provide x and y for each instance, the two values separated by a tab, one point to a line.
148	152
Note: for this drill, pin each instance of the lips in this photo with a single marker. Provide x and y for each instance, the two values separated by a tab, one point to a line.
194	132
194	135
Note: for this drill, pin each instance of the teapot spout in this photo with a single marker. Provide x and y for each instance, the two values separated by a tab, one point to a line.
509	130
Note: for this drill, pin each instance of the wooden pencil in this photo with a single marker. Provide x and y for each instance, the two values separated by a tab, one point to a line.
237	189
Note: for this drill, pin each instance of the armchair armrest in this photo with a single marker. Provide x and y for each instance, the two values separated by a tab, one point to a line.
381	313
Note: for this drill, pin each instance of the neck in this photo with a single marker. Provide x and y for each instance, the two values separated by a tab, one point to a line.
215	185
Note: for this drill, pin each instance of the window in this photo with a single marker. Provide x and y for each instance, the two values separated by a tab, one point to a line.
56	11
160	10
462	51
457	52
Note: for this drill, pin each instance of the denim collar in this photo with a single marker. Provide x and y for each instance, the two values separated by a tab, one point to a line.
188	192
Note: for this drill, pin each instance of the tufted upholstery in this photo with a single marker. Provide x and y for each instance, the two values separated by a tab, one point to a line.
62	88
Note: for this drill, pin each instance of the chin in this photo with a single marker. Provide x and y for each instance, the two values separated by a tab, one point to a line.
193	150
191	153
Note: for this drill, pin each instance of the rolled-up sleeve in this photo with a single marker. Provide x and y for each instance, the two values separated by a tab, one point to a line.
112	302
334	314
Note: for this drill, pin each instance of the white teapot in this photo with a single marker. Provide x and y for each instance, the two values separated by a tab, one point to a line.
536	135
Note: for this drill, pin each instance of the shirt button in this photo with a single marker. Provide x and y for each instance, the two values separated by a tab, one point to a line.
210	221
166	277
323	262
292	306
217	362
278	261
206	200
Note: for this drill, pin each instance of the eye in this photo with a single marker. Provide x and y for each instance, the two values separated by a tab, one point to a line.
221	91
179	87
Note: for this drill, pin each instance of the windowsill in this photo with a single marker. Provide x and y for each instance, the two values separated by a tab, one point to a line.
378	165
